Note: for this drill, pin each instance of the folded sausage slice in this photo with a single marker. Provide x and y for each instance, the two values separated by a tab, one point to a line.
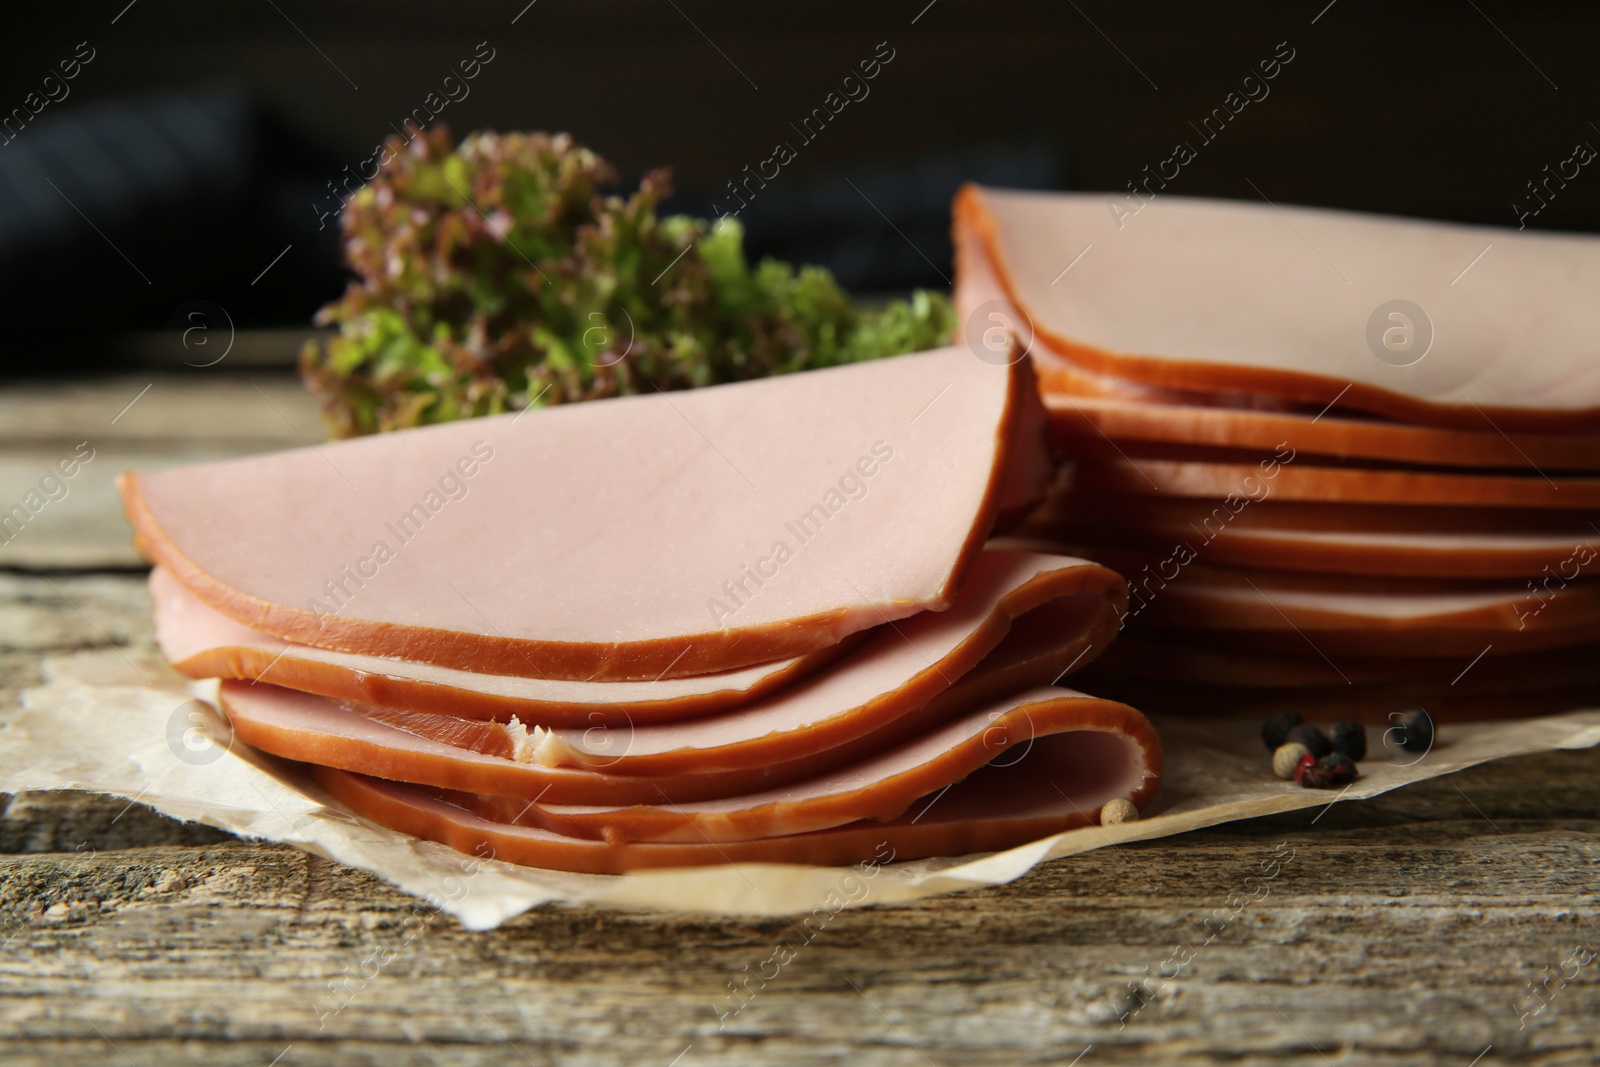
1181	662
1448	554
644	537
880	787
201	643
898	668
910	661
1373	703
1097	419
1300	480
1103	751
983	303
1362	616
495	758
1219	296
790	736
1065	505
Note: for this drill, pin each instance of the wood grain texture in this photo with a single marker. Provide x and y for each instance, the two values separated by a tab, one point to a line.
1404	929
144	423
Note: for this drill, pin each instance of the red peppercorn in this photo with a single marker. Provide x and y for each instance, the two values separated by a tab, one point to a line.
1318	777
1307	767
1326	773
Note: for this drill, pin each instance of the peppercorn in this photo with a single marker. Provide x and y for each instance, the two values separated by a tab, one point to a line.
1276	729
1287	758
1351	739
1413	730
1311	736
1118	810
1311	774
1341	768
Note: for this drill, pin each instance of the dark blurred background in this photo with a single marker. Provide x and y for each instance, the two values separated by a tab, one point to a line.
185	164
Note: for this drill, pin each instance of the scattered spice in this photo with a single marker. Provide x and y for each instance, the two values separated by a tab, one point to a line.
1118	810
1350	738
1341	767
1306	754
1311	774
1311	736
1413	730
1287	757
1276	729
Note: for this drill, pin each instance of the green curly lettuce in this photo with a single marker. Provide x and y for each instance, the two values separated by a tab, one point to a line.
498	276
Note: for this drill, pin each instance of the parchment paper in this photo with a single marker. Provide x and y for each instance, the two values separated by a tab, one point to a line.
125	724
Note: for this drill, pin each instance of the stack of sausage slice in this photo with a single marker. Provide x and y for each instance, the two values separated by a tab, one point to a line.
1345	462
749	622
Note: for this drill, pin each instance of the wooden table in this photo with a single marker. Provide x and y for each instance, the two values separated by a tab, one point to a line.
1406	929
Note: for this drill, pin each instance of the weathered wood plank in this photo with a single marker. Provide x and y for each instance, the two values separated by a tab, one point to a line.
1402	928
145	423
271	408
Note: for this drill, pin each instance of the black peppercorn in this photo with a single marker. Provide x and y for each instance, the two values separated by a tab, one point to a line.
1341	768
1276	729
1413	730
1351	739
1312	737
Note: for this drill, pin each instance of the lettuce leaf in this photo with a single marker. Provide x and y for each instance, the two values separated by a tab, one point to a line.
498	275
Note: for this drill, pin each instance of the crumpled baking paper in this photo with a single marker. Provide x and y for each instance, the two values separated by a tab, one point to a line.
123	723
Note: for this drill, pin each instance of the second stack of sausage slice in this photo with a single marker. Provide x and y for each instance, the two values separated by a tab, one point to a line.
1287	496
